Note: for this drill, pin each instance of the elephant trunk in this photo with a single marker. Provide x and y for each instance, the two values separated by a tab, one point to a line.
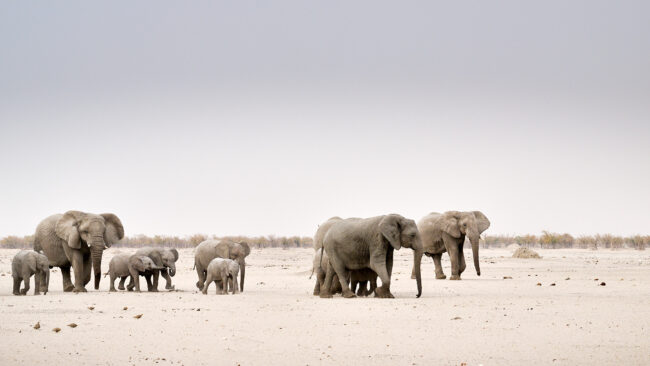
172	269
417	260
242	273
474	240
47	280
96	251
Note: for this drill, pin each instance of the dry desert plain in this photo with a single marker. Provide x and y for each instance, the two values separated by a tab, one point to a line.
485	320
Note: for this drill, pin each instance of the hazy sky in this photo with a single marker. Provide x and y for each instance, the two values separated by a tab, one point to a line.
269	117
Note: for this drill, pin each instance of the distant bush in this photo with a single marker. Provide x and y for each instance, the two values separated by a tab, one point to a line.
547	240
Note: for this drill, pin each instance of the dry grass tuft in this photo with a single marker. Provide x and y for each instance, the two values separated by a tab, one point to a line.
525	253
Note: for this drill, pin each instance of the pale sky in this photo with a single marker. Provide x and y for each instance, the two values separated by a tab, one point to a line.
259	118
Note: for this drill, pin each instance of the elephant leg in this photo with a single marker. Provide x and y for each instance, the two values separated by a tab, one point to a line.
122	280
440	275
461	260
26	281
452	249
341	271
378	264
168	279
37	283
224	284
77	266
336	285
156	275
113	277
353	285
373	286
147	277
131	285
206	283
87	269
67	282
17	281
135	276
325	289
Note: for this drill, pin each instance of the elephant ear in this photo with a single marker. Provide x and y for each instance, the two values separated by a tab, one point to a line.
30	261
449	224
156	257
390	229
67	228
138	264
175	253
482	221
114	229
246	248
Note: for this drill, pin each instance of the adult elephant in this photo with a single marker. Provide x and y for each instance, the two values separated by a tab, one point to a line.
76	239
165	258
446	233
355	243
226	249
322	230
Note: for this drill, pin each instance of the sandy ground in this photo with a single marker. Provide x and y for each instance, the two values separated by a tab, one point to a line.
485	320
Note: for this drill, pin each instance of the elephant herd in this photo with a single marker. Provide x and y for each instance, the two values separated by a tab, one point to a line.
357	251
348	253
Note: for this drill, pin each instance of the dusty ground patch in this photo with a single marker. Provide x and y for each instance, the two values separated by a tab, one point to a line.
277	321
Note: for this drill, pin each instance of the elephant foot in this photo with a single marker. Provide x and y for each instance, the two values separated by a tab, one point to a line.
80	289
37	293
316	293
68	288
121	288
325	295
204	292
113	290
170	287
383	293
455	277
349	294
440	276
199	285
17	293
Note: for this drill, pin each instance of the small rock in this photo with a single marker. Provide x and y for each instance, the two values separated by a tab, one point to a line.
553	284
456	318
595	279
539	283
72	325
603	284
507	277
56	330
125	308
138	316
37	325
568	278
91	308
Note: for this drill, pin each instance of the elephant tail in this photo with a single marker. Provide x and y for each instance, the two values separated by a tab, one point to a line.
312	272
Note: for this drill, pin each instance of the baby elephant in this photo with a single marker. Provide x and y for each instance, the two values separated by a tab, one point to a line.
224	274
125	265
27	263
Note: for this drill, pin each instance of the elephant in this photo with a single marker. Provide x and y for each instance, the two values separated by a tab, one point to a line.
362	277
353	244
320	267
223	272
446	233
322	230
27	263
75	239
164	258
129	265
226	249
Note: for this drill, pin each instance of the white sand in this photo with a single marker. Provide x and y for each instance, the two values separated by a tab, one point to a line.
277	321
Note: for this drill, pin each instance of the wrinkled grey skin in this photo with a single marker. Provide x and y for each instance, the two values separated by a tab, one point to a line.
28	263
166	259
363	277
446	233
320	267
223	272
227	249
129	265
354	244
77	239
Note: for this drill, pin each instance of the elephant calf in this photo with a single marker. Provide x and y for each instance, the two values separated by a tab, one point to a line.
27	263
224	274
362	277
125	265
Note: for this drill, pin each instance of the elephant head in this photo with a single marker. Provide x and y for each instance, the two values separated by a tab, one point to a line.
399	232
143	263
239	252
169	258
97	231
470	224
